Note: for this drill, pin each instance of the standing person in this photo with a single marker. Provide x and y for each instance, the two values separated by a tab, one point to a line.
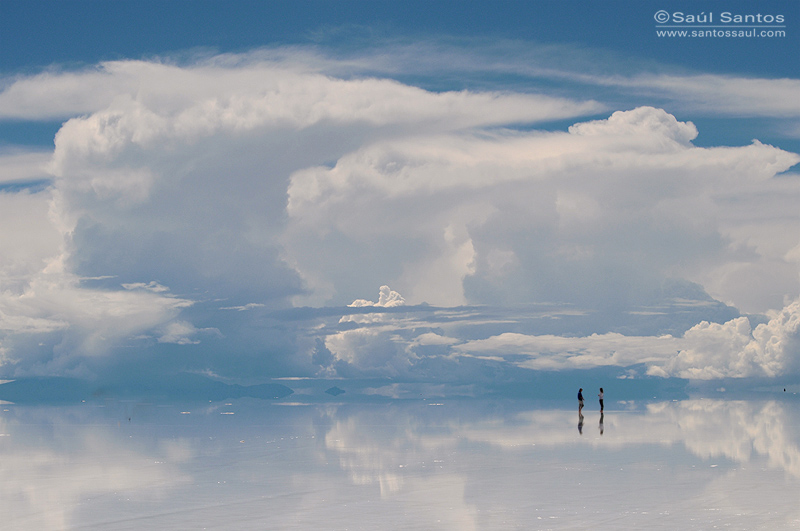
580	399
600	396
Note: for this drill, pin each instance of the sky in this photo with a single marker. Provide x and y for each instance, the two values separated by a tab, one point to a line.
451	192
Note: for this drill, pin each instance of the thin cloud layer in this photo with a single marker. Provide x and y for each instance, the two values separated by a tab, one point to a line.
567	65
727	95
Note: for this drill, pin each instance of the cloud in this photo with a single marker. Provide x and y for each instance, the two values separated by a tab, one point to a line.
371	348
162	172
49	318
152	286
245	91
93	321
268	181
734	349
183	333
248	306
706	351
174	84
22	165
641	121
370	352
411	342
551	352
576	70
387	298
536	216
137	154
720	94
28	238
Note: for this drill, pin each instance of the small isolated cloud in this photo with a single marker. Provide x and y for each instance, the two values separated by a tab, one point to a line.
180	333
185	333
245	307
153	286
640	121
386	299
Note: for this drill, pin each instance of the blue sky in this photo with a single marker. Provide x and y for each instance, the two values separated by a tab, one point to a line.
37	35
41	33
423	191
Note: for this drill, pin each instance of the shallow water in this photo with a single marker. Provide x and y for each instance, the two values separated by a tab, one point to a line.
463	464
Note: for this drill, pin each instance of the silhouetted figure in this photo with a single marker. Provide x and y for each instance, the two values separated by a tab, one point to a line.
601	423
580	423
600	396
580	400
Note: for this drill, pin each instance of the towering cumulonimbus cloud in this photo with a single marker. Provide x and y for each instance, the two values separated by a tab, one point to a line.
176	176
263	182
596	216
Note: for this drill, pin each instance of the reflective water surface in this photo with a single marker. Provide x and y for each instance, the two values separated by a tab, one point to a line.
250	464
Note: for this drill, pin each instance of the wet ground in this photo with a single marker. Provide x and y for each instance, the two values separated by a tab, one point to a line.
461	464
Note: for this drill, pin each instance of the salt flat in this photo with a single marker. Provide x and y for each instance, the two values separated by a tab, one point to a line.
452	464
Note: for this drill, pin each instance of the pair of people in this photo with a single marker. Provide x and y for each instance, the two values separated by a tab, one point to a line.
580	399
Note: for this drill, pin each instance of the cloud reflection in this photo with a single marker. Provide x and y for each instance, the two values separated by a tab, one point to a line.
726	448
740	431
54	471
463	464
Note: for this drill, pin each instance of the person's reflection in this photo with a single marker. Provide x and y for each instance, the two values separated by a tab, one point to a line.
601	423
580	423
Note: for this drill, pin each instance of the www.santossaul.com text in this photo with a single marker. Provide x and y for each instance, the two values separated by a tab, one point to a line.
749	33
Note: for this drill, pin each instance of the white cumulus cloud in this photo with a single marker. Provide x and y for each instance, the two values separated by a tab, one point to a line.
266	180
